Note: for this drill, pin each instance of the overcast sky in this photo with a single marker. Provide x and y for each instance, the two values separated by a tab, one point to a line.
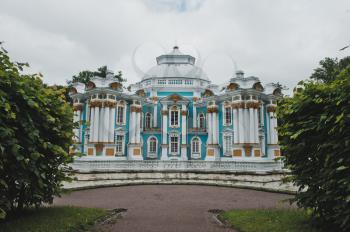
278	41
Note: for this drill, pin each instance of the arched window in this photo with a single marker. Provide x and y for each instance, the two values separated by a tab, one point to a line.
201	121
152	145
148	121
174	116
195	146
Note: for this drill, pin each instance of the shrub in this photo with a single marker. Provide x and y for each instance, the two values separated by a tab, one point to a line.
315	138
35	135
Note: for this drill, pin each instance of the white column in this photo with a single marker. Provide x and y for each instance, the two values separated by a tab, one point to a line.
96	123
246	125
106	124
132	127
164	125
80	128
214	128
241	125
138	128
155	112
209	122
92	121
101	124
271	129
75	130
194	115
256	126
276	132
251	125
111	125
235	126
184	124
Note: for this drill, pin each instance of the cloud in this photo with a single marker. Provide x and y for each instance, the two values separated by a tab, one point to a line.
274	40
161	6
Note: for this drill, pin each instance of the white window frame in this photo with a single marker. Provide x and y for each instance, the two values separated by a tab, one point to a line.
171	144
196	154
176	110
149	152
199	121
148	115
227	148
117	152
227	110
122	114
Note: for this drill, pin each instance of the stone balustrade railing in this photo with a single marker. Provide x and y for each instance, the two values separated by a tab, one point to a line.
106	165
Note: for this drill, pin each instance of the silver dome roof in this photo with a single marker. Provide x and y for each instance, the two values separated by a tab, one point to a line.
175	65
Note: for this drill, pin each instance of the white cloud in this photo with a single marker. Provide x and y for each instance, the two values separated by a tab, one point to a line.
274	40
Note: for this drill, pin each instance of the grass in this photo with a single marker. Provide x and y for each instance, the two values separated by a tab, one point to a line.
53	219
253	220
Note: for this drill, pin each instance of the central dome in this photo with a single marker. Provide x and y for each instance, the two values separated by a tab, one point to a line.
176	65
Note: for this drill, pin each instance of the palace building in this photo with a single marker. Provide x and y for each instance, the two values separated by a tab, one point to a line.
176	113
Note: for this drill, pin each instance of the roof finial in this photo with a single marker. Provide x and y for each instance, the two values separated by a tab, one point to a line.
176	46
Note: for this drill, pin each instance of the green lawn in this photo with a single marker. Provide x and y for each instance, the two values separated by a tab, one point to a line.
269	220
53	219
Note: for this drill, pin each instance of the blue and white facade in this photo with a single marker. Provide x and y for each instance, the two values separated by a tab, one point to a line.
175	113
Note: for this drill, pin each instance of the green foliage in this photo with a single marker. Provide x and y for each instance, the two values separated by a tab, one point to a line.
269	220
86	75
53	219
315	138
35	135
330	69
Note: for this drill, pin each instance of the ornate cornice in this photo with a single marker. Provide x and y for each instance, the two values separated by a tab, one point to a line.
77	107
253	104
136	109
96	103
110	103
212	109
237	105
154	98
271	108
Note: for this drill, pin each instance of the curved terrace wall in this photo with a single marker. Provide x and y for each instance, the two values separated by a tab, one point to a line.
243	174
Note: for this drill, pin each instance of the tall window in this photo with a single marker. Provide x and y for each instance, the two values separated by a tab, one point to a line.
174	144
148	121
152	145
227	144
195	146
120	114
174	116
227	114
201	121
119	144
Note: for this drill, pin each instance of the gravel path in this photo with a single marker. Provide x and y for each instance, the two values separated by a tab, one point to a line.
171	207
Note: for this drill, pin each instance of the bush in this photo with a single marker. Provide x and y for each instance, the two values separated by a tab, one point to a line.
35	135
315	138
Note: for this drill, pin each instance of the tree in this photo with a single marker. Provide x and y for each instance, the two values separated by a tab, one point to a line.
315	138
330	69
86	75
35	135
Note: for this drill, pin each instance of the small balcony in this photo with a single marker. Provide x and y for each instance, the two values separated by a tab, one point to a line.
197	130
151	130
